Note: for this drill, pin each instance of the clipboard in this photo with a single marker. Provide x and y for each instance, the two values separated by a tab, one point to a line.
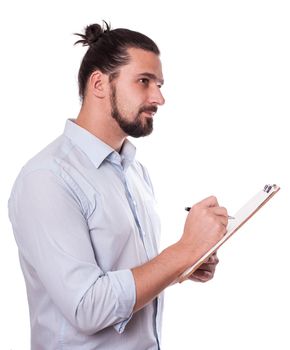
239	219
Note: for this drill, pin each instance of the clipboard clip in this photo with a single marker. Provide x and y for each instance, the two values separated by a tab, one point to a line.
268	188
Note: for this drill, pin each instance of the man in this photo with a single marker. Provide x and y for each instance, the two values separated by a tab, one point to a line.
83	215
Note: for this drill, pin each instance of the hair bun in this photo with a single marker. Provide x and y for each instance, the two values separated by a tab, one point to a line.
92	34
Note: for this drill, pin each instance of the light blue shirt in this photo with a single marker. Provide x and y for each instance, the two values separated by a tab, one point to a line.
83	215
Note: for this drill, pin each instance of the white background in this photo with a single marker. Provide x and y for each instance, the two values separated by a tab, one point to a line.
222	131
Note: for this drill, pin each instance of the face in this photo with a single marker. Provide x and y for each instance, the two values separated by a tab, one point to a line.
135	94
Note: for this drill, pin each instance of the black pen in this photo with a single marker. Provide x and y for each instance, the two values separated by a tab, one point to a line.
229	217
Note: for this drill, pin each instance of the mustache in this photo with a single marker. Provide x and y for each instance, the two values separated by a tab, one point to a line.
148	109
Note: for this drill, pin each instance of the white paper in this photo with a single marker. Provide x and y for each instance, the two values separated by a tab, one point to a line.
240	218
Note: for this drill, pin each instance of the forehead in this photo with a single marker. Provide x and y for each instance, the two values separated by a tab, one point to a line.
142	61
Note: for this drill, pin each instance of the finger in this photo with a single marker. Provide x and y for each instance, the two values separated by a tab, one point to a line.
206	267
220	211
210	202
201	276
210	264
224	220
221	215
197	279
213	259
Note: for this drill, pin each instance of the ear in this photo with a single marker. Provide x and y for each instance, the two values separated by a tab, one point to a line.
98	84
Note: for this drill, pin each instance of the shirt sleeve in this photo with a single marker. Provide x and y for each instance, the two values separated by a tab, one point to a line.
53	237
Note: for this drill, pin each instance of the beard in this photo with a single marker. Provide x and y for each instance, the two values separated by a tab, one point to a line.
139	126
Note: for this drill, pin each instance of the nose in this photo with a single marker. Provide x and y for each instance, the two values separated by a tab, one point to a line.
156	96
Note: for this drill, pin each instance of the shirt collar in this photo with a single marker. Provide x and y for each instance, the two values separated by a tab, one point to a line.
96	149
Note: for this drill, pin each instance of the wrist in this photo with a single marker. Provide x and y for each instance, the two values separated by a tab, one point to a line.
180	255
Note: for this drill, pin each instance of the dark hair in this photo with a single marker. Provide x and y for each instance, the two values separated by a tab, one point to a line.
108	51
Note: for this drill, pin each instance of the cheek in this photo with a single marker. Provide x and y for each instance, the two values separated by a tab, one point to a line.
129	100
130	107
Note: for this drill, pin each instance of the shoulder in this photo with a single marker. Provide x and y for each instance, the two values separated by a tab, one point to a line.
56	171
49	157
45	167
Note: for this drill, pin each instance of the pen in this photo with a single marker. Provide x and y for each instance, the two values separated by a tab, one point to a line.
229	217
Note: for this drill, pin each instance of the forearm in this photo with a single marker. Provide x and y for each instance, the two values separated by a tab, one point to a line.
154	276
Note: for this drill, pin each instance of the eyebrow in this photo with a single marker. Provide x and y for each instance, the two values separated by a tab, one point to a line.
151	76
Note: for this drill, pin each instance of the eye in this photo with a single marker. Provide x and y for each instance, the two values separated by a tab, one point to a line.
144	81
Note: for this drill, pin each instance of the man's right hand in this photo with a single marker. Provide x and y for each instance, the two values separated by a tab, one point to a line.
205	225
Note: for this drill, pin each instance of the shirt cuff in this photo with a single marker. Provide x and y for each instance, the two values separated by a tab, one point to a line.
123	285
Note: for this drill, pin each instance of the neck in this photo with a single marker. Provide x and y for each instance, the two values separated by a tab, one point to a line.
101	125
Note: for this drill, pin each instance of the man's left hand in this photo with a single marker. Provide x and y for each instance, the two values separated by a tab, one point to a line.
206	271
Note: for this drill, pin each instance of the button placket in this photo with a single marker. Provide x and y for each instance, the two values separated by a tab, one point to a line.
116	162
